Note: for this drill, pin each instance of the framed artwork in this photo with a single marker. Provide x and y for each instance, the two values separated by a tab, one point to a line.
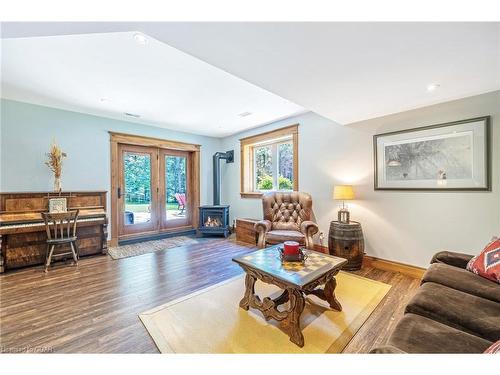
57	205
451	156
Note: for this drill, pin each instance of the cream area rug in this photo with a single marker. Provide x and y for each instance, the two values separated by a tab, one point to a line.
211	321
146	247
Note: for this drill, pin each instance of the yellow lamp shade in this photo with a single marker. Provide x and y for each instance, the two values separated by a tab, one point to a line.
343	192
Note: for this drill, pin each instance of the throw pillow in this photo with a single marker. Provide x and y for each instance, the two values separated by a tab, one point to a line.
487	263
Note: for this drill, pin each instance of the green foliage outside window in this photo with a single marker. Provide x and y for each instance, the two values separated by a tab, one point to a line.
268	158
175	175
137	172
285	183
266	183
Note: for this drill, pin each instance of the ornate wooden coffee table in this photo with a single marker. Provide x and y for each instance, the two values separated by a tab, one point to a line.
296	280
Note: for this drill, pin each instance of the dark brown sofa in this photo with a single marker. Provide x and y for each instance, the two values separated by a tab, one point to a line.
454	311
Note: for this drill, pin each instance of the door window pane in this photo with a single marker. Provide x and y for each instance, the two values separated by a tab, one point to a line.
137	175
263	167
175	187
285	166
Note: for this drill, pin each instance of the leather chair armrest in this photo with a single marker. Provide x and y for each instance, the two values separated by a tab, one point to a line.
309	228
451	258
262	226
387	349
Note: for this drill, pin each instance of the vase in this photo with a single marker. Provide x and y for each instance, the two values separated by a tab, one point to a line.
57	184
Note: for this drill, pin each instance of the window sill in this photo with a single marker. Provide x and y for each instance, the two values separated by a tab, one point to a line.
258	194
251	194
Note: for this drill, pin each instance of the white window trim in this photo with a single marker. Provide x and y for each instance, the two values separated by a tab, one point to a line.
275	157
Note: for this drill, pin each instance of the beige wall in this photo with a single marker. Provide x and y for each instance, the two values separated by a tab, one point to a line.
402	226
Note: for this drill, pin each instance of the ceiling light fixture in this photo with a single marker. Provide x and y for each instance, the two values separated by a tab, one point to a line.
433	86
140	38
244	114
132	115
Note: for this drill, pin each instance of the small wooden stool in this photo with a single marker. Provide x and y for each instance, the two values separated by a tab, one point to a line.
61	230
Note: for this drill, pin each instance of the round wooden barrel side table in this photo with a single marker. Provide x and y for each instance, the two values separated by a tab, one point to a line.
345	240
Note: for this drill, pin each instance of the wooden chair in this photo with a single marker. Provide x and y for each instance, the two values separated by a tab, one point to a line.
61	230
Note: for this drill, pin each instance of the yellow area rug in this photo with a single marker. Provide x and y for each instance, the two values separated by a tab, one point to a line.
211	321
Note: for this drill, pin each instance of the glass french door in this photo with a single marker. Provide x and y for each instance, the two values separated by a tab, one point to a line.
138	193
175	194
154	192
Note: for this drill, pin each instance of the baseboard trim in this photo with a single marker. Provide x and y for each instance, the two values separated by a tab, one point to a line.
389	265
385	265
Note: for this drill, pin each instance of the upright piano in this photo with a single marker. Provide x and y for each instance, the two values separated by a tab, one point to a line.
22	230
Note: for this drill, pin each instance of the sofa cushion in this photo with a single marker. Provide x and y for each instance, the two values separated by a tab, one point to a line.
418	334
460	279
452	258
472	314
487	262
278	236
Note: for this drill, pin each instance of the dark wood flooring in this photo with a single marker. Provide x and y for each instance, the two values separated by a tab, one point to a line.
93	308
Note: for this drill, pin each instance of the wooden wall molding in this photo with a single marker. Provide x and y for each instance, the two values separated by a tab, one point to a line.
137	140
385	265
389	265
280	132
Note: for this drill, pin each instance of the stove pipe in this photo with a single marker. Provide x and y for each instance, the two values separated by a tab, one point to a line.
229	157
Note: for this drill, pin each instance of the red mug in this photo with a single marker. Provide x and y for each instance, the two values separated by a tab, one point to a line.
291	248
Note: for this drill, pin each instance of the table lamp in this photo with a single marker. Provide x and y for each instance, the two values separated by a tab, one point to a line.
343	193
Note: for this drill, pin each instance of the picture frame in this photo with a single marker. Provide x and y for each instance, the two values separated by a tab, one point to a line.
443	157
57	205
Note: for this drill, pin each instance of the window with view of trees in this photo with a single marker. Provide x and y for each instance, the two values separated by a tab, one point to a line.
269	162
273	168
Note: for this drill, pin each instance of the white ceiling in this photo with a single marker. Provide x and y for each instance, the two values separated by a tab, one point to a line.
344	71
352	71
110	74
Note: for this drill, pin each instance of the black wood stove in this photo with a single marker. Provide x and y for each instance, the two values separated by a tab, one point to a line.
214	219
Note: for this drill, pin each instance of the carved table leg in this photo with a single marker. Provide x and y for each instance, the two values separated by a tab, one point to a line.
281	299
297	303
249	292
330	294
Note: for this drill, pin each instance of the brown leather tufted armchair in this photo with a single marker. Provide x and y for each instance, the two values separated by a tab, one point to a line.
287	217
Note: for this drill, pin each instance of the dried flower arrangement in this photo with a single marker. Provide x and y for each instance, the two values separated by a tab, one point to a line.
54	162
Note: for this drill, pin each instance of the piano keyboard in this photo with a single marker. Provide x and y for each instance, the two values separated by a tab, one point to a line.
26	225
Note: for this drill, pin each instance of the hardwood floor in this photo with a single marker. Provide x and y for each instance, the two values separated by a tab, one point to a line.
93	308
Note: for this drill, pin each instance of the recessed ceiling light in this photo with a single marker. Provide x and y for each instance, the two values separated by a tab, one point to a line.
140	38
244	114
433	86
132	115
